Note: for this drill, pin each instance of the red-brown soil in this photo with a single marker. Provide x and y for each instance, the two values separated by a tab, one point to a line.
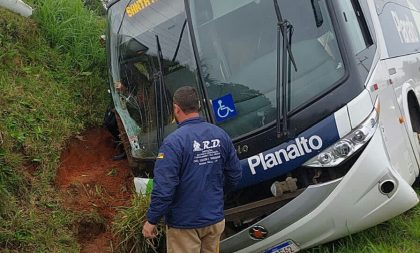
91	183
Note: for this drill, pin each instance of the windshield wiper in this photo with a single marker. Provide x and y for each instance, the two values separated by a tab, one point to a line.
285	58
123	17
179	40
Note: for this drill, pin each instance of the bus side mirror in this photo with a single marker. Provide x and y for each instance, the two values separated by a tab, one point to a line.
319	20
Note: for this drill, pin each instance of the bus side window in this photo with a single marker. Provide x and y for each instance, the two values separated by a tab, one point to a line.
356	25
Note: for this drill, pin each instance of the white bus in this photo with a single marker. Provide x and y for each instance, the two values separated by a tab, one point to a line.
321	98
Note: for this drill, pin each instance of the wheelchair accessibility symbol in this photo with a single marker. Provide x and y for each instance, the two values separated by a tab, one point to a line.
223	111
224	108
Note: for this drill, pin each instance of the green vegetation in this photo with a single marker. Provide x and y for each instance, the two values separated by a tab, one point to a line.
128	226
95	6
53	82
53	86
399	235
73	30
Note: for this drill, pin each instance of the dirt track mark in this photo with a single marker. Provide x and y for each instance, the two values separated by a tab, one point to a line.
92	184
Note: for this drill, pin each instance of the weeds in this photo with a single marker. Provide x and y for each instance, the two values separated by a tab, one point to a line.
89	224
95	6
113	172
73	29
128	225
54	88
401	234
46	97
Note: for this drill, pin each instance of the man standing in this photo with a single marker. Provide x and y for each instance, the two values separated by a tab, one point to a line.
195	163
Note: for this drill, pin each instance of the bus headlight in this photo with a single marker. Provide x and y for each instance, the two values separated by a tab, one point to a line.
359	136
343	148
349	144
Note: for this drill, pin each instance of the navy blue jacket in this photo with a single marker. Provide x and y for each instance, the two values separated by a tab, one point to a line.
194	164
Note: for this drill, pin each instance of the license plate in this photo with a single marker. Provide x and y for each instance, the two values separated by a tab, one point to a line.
285	247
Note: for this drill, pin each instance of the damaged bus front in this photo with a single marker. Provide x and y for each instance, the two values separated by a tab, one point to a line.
290	82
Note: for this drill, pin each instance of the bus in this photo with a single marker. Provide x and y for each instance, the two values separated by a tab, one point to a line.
320	97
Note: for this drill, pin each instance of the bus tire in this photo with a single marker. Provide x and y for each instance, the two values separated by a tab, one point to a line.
414	112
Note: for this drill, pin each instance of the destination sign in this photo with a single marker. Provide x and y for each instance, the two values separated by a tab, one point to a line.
138	5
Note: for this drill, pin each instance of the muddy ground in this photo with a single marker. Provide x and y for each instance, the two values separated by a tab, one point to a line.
92	184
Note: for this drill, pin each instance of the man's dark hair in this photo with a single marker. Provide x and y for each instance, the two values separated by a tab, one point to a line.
186	98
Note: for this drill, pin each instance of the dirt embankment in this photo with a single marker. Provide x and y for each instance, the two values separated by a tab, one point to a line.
92	184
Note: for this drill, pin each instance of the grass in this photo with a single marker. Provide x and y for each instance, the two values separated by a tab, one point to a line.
72	29
398	235
96	6
53	86
52	82
128	225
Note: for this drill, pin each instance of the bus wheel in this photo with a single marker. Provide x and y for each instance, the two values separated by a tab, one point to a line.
414	111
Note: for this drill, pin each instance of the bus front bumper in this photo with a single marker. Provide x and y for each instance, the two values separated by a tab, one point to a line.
354	204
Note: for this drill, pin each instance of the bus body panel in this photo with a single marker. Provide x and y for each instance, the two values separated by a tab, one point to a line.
390	154
407	89
296	209
342	120
291	154
406	71
355	204
395	135
359	108
356	201
398	73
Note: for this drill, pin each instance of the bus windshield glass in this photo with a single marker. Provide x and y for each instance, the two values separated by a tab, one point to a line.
237	50
150	58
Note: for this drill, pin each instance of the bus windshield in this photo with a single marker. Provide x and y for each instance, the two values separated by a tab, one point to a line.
150	58
236	43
